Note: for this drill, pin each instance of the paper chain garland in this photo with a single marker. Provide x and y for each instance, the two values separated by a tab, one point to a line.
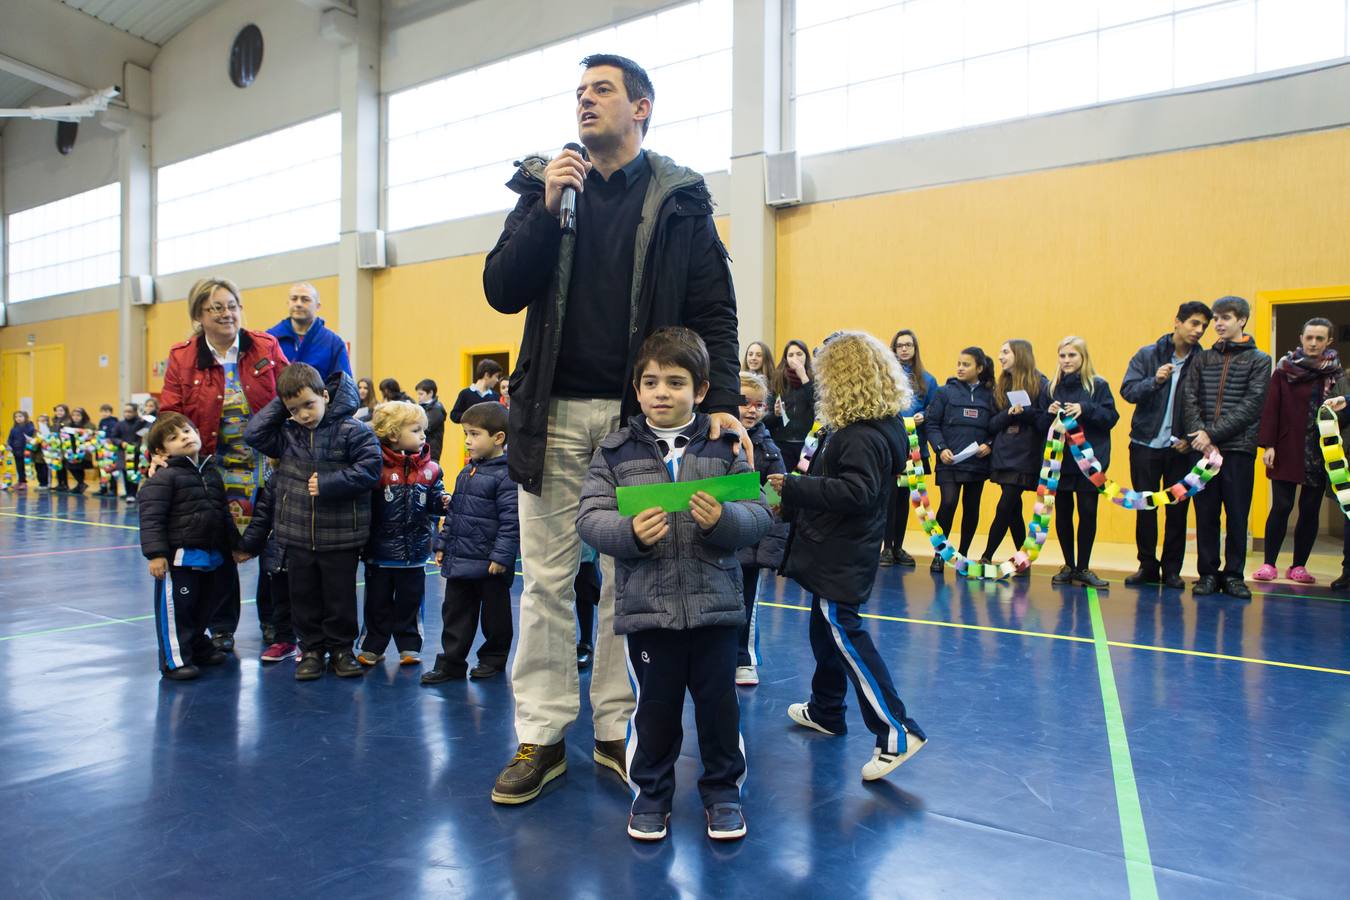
58	449
1333	456
1064	431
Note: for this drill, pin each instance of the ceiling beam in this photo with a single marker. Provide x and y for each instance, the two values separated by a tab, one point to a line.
43	77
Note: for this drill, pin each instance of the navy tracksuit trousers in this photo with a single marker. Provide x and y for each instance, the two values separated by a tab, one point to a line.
184	601
663	665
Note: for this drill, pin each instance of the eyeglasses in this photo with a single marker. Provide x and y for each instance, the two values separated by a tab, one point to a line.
755	405
218	310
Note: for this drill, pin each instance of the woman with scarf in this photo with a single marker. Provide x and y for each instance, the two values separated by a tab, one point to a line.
1302	381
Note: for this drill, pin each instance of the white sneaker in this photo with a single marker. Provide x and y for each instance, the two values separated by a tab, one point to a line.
883	764
747	676
799	713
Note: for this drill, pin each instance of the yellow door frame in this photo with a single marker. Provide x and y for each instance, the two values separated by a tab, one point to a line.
31	353
1260	326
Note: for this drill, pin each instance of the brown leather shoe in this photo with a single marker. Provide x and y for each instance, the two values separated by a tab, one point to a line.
613	755
534	766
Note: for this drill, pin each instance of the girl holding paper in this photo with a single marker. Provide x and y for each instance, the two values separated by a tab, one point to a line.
1021	396
958	428
1078	391
905	346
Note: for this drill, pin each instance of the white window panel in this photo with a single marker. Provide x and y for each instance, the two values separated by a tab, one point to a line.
451	158
71	244
994	25
933	99
874	45
246	200
1215	43
1293	32
933	33
875	111
822	121
1124	12
996	87
822	57
1051	19
1135	60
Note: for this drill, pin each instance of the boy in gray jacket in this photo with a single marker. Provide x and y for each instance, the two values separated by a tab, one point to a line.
678	601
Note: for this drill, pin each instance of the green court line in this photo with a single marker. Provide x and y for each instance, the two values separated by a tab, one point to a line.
1134	838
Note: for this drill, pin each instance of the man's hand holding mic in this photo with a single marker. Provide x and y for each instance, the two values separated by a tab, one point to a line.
566	172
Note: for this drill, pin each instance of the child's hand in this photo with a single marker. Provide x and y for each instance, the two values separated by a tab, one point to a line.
157	462
707	510
983	451
947	456
314	485
496	568
440	555
919	419
241	556
776	480
159	567
445	501
650	525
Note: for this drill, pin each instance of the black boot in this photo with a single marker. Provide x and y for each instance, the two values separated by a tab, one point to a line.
1343	582
442	672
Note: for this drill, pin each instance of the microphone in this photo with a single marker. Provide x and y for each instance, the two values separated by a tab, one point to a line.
567	211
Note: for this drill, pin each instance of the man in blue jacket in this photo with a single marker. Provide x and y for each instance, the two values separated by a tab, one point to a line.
304	337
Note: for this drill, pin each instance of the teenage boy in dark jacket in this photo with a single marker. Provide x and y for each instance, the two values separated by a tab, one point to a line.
1160	454
1221	400
678	600
186	533
435	414
410	495
476	550
328	463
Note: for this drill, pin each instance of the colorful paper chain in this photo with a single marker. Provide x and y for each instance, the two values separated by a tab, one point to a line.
1063	431
57	450
1333	456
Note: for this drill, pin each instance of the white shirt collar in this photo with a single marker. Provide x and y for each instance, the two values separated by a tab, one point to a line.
231	355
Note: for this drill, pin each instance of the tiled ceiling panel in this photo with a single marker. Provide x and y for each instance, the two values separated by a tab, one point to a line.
152	20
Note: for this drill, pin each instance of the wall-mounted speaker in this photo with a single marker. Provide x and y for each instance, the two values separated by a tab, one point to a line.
782	179
370	250
142	289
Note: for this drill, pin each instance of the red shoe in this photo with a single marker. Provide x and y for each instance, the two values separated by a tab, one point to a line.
278	651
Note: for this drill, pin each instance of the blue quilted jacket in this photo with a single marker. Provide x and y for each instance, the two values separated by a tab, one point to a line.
481	526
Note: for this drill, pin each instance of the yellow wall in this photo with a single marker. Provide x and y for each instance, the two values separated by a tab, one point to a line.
85	339
167	323
1105	251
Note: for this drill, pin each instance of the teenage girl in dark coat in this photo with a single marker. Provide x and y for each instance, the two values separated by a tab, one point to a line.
957	417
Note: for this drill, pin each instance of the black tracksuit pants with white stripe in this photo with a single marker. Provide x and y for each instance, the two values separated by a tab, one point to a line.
844	652
184	601
664	664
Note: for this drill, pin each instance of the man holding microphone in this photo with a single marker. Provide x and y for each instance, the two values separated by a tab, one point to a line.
605	245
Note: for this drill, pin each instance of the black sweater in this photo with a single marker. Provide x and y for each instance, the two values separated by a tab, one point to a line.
183	505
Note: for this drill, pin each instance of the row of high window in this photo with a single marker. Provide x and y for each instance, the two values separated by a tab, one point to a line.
863	71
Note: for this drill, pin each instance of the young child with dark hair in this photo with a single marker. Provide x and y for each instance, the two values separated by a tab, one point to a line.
328	463
485	379
838	516
186	532
959	415
477	550
678	600
410	494
768	552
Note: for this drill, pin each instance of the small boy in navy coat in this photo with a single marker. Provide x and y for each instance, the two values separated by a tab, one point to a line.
477	550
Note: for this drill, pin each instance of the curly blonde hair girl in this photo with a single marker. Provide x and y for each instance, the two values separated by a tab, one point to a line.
857	379
391	417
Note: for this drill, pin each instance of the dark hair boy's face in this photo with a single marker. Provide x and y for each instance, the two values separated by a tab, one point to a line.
1191	329
183	442
668	394
307	408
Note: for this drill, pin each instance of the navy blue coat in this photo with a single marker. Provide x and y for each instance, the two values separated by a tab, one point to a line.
768	553
1019	441
18	440
258	538
959	414
1099	416
481	525
411	493
323	349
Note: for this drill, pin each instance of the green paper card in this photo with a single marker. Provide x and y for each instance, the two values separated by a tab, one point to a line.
674	497
771	496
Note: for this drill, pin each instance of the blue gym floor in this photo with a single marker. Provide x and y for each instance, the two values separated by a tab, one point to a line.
1168	746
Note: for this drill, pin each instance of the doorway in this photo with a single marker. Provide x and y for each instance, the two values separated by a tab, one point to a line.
469	360
32	379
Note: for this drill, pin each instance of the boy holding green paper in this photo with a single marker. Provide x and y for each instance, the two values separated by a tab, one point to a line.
678	599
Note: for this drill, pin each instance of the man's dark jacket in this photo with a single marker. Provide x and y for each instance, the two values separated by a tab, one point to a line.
1140	387
680	277
1223	394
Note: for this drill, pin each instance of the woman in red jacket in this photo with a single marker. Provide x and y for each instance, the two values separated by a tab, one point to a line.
1302	381
219	378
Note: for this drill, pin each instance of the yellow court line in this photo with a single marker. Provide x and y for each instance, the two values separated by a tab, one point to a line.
71	521
1083	640
1245	659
